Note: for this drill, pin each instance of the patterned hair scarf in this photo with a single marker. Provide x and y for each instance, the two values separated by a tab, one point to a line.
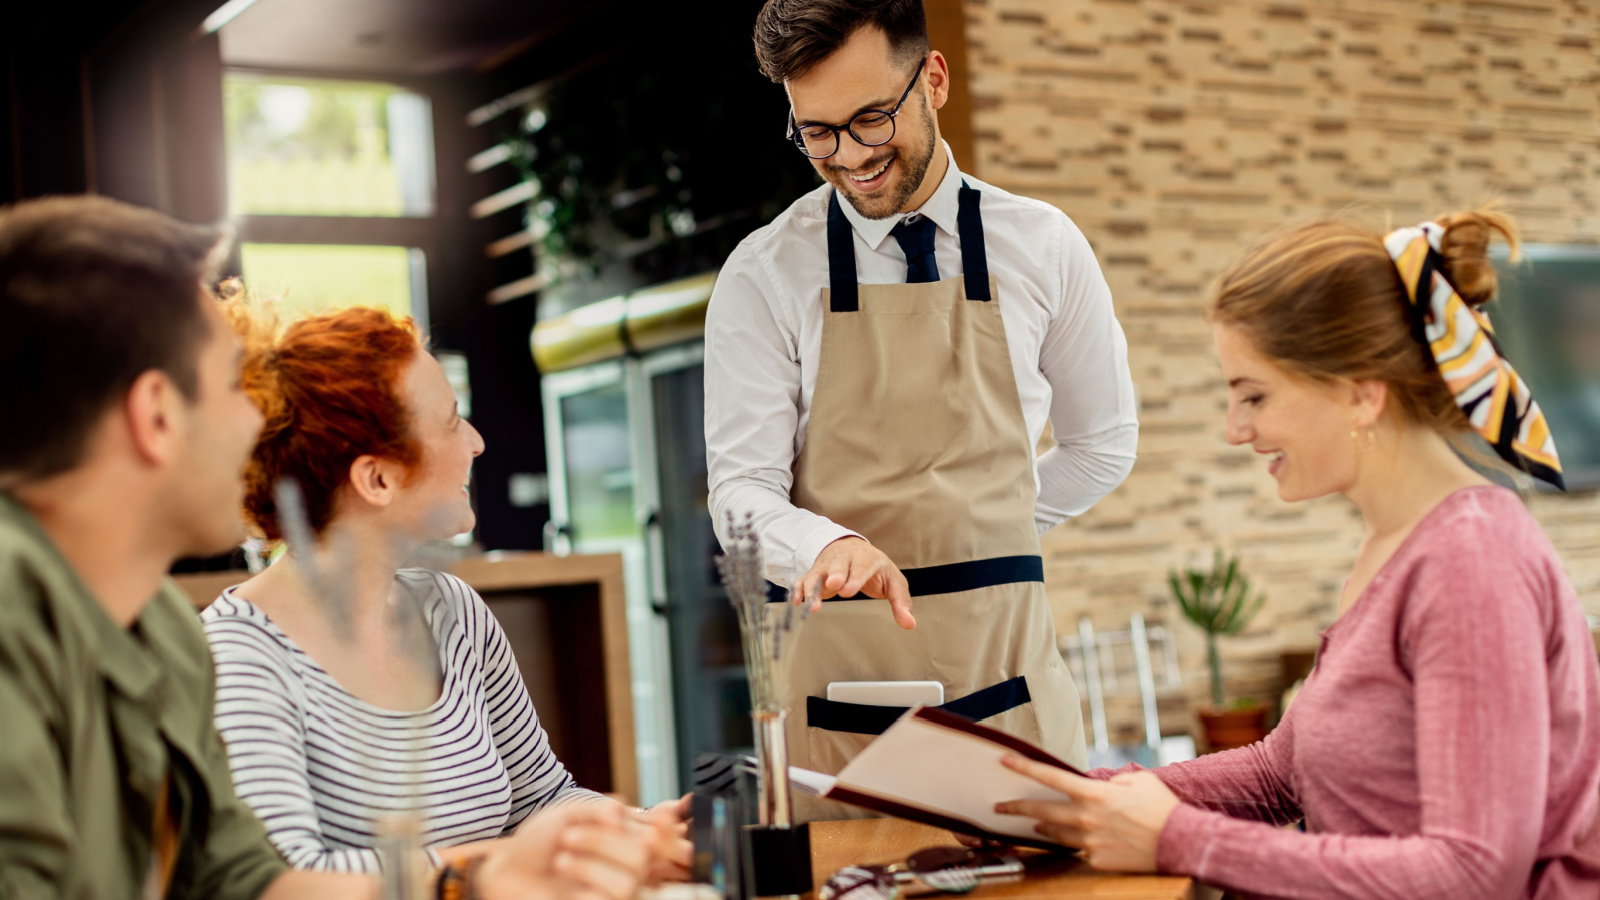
1462	342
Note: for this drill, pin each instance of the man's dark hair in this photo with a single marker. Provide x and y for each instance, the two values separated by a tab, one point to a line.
794	35
92	294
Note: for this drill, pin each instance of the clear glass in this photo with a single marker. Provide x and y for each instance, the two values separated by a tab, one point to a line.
320	147
599	461
1547	319
315	277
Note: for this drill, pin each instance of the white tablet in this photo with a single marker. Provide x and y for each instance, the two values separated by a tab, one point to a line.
887	693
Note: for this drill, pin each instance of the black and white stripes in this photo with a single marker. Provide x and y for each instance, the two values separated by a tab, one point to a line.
319	766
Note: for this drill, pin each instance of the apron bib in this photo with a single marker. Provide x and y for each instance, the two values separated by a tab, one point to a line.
917	441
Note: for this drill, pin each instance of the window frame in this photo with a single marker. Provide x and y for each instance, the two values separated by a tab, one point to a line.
1578	478
423	233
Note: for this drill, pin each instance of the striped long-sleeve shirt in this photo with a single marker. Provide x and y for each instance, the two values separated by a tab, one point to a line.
321	767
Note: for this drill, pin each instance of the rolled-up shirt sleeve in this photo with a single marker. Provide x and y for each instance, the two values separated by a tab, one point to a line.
1093	410
753	385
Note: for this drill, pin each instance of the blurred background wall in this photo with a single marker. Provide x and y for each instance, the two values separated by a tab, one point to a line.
1174	134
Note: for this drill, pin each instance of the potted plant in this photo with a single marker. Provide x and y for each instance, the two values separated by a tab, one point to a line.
1218	602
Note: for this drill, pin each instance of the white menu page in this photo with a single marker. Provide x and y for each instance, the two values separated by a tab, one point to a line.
945	768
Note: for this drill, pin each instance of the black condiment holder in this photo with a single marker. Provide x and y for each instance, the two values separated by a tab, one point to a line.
774	856
780	858
733	851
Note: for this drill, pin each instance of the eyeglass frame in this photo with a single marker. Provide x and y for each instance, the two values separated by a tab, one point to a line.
793	133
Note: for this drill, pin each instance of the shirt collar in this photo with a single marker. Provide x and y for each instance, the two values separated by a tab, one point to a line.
941	208
120	655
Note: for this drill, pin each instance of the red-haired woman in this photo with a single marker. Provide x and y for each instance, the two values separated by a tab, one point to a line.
1448	742
349	688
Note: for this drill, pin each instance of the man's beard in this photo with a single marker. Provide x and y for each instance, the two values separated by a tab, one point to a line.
910	177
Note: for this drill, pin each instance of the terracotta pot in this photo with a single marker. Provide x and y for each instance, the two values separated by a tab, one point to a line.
1229	728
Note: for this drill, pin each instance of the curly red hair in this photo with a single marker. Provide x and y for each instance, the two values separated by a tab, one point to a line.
328	386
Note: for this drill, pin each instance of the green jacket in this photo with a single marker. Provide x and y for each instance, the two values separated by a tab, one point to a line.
93	719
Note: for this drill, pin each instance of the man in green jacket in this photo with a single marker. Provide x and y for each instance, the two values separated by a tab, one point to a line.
123	435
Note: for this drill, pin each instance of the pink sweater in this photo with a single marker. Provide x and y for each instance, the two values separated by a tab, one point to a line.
1447	744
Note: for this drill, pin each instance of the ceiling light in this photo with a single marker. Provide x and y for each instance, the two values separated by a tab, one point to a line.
225	14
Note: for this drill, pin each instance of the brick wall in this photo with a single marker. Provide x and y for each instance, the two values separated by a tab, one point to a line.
1175	132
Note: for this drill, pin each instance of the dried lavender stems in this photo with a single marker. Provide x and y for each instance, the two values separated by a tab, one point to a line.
767	630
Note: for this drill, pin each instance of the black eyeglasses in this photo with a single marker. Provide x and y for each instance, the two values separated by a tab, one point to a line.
872	128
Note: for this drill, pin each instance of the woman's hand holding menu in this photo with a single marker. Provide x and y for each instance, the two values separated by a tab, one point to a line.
1117	823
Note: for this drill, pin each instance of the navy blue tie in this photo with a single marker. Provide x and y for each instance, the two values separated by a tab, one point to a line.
916	240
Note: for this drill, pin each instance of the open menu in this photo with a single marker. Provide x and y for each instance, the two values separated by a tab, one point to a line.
935	767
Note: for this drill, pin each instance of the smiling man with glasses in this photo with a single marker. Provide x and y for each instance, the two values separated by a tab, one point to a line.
872	128
873	405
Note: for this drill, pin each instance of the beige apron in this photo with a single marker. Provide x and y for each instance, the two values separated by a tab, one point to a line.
917	441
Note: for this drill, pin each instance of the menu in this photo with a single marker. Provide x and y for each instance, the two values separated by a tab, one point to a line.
938	768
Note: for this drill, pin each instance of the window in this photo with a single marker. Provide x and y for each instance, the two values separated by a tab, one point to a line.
312	277
326	148
1548	323
331	187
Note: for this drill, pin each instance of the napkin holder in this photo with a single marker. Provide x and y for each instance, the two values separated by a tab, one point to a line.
733	851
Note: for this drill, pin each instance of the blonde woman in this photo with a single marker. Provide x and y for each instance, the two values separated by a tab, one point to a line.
1447	743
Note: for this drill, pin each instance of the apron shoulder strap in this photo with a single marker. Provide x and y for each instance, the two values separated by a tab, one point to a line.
974	259
842	295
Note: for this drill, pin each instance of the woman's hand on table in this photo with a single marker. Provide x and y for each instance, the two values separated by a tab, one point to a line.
671	853
1117	823
580	851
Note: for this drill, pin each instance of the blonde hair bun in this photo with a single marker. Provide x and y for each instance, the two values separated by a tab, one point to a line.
1324	299
1466	251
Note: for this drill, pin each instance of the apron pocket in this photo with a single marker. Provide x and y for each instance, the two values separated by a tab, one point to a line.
829	750
860	718
850	718
838	731
1021	722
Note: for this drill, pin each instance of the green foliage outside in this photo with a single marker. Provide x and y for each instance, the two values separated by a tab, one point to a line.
307	278
309	147
1218	601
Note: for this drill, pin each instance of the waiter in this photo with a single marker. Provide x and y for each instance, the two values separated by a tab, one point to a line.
881	361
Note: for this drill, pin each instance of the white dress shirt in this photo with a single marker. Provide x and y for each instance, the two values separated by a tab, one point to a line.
764	338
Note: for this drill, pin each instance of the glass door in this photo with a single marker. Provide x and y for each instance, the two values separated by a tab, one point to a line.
597	454
708	680
598	465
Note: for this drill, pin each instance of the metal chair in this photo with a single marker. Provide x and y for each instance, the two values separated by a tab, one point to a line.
1098	663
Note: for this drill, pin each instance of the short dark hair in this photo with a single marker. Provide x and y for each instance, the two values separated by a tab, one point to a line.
794	35
93	293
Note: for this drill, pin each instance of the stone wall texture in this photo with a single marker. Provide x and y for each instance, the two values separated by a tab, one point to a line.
1174	132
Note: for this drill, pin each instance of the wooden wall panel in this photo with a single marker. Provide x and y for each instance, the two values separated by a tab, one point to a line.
947	33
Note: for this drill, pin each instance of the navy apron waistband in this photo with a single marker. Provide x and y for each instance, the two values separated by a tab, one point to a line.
859	718
952	578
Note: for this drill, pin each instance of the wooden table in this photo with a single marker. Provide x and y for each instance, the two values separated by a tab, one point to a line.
835	845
